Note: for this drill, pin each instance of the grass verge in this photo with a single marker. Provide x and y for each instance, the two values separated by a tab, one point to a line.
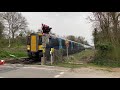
76	60
12	52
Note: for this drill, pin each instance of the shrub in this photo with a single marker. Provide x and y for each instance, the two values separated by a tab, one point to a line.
104	49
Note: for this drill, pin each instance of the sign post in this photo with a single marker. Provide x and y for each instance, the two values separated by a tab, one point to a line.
52	58
67	45
67	52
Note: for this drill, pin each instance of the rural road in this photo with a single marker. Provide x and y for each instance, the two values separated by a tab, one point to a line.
37	71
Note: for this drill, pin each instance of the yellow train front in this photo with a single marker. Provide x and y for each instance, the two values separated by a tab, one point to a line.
34	46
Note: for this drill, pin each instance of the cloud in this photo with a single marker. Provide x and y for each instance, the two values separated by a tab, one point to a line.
63	23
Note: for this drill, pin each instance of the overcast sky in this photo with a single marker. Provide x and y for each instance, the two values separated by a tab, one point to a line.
62	23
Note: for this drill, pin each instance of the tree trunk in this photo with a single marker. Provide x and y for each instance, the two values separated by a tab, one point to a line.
9	42
13	33
9	39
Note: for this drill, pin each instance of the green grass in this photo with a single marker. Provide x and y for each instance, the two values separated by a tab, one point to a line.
16	51
105	62
81	60
76	60
80	57
67	65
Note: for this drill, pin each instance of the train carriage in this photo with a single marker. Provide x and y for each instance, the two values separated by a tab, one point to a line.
35	47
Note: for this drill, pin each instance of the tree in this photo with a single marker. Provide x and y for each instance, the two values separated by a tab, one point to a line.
108	26
95	38
1	30
28	32
81	39
107	34
71	37
15	22
86	43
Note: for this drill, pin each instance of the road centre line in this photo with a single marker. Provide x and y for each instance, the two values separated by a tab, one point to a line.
56	76
62	73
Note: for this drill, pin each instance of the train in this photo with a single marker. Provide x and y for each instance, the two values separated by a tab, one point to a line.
35	45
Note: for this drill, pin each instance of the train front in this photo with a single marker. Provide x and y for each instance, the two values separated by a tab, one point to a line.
34	45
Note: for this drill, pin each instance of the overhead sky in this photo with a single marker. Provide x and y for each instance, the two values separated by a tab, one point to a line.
62	23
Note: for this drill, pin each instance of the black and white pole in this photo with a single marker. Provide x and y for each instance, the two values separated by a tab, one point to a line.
51	57
51	53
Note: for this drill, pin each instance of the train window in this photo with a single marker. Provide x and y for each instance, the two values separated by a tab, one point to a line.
55	43
69	45
40	40
73	45
28	40
63	44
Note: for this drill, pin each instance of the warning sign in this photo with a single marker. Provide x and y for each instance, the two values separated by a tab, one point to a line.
45	39
67	43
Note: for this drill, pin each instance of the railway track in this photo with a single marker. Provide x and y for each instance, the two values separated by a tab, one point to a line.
23	61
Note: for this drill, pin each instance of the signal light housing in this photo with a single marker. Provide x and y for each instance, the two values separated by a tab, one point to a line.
46	29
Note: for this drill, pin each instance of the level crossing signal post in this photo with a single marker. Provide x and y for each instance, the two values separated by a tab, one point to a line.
45	39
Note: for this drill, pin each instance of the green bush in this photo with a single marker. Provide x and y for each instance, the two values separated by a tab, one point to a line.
3	43
104	49
108	54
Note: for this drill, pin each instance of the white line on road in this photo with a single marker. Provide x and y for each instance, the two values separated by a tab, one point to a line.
43	68
1	77
56	76
38	68
62	73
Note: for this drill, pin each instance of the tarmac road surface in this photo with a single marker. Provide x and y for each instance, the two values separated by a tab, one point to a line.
38	71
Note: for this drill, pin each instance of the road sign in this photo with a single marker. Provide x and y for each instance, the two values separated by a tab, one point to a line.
67	43
45	39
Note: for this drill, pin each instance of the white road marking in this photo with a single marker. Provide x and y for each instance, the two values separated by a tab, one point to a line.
56	76
39	68
1	77
44	68
62	73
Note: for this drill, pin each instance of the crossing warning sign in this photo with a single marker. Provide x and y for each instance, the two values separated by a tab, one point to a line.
67	43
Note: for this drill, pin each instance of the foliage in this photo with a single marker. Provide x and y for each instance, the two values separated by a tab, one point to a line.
79	39
76	60
1	30
107	38
15	22
17	52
